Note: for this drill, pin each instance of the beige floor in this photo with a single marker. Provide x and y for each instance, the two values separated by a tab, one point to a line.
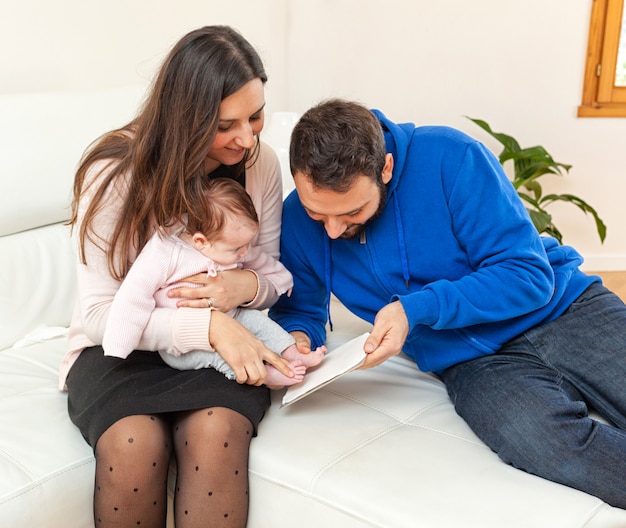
614	280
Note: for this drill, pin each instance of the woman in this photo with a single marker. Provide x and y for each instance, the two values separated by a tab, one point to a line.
201	118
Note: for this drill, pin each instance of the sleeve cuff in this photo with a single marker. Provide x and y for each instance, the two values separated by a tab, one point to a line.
191	330
262	291
420	307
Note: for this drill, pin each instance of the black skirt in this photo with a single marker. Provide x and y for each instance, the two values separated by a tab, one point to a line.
103	389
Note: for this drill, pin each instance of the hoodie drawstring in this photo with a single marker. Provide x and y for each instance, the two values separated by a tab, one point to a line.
327	279
404	260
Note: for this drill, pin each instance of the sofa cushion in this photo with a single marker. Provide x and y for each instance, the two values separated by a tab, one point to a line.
37	282
47	468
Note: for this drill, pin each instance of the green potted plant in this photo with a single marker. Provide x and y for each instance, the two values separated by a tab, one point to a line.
530	164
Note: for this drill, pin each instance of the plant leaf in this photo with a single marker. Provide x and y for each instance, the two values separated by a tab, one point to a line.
582	205
530	164
534	187
541	219
509	143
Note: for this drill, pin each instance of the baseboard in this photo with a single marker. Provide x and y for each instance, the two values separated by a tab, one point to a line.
614	262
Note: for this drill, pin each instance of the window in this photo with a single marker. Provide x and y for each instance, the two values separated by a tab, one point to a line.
604	91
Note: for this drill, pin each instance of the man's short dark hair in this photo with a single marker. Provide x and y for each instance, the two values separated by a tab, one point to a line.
336	141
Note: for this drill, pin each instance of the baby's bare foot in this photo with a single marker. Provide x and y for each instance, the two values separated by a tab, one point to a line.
275	379
308	360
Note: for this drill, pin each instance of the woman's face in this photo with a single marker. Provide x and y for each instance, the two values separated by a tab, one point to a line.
241	119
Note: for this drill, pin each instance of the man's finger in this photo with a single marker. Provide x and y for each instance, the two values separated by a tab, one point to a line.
372	342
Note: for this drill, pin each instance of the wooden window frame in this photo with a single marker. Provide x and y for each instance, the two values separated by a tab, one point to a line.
601	98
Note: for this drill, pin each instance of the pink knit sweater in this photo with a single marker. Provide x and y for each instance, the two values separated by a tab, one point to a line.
162	265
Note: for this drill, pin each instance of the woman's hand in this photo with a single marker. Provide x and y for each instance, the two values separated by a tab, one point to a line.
391	327
243	351
227	290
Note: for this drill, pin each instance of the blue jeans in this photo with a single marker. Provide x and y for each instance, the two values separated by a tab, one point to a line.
530	401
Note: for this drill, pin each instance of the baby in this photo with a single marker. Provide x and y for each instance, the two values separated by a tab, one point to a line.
220	241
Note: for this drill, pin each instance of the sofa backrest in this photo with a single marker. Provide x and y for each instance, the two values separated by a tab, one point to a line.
42	137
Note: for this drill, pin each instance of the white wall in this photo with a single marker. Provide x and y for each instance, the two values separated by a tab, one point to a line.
518	65
55	45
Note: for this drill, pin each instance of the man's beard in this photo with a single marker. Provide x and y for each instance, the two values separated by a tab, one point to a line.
354	231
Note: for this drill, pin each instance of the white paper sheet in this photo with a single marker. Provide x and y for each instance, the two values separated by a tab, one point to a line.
336	363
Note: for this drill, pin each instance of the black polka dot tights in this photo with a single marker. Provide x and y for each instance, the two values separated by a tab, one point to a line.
132	463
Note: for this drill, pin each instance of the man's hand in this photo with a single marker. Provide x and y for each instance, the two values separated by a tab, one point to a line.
303	343
391	327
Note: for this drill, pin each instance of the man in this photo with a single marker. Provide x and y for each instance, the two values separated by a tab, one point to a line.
419	231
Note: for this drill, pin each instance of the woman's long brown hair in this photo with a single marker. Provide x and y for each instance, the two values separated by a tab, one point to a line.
166	144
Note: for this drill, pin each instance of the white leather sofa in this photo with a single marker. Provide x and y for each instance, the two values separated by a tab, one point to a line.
377	448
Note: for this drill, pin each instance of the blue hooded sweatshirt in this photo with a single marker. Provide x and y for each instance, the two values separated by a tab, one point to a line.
454	244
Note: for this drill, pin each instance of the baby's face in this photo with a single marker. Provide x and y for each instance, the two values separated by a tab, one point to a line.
233	243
